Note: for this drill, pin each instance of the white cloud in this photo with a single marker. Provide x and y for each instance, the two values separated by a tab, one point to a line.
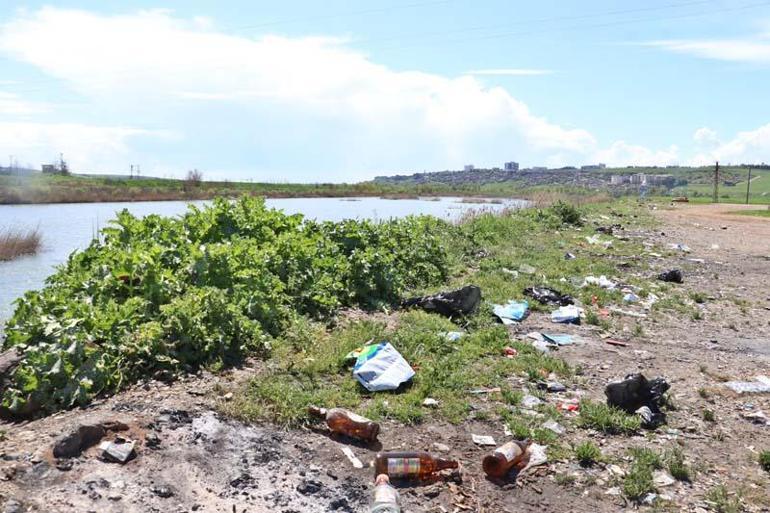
515	72
622	153
732	50
87	148
295	103
150	58
705	136
12	104
746	147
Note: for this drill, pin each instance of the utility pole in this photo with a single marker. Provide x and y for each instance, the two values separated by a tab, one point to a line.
716	183
748	186
131	173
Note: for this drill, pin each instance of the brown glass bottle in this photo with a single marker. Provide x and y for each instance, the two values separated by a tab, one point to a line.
410	466
347	423
500	461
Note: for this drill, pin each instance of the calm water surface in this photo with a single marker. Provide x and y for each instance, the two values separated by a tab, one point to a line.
68	227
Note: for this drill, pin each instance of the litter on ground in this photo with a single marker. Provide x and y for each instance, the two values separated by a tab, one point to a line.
602	281
567	314
512	312
381	367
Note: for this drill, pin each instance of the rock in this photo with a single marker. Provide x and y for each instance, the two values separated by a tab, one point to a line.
662	478
430	402
309	487
341	503
648	499
64	464
440	447
432	492
119	451
162	491
614	491
616	470
152	440
228	396
554	426
72	444
13	506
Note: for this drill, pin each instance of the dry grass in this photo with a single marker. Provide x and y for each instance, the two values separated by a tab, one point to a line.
14	243
542	199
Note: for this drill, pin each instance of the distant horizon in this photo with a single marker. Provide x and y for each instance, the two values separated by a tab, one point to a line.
340	91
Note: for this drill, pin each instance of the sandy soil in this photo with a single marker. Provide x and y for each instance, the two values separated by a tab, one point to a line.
190	459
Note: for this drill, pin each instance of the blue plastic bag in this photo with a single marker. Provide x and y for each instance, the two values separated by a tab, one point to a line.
512	312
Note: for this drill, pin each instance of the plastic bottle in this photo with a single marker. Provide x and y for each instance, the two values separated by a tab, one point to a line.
347	423
386	498
500	461
410	466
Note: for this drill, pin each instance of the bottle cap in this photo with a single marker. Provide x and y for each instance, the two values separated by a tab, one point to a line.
382	479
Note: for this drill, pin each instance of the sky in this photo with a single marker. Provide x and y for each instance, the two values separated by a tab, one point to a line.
333	91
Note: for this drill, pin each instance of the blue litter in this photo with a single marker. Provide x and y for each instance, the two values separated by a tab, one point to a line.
453	336
559	340
512	312
566	314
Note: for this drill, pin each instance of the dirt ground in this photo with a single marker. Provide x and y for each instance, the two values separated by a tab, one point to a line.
189	458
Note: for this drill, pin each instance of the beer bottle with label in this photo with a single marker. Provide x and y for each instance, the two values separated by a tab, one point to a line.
410	466
347	423
500	461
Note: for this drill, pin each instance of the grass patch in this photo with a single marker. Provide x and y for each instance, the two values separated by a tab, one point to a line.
764	460
709	416
722	501
587	453
755	213
639	481
678	469
564	479
607	419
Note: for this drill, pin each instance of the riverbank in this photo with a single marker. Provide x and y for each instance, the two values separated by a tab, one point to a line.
697	335
51	189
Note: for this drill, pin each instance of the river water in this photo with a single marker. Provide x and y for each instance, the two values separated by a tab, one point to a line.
69	227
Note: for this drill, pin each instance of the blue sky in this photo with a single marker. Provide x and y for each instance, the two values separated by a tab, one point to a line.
342	91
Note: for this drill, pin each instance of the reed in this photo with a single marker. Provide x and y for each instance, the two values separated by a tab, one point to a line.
15	243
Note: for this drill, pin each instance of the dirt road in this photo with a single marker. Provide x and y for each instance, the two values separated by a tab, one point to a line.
190	459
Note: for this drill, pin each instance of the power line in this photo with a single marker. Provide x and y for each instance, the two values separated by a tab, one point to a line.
543	20
580	27
340	15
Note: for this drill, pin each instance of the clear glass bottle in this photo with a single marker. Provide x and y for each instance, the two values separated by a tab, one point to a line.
386	498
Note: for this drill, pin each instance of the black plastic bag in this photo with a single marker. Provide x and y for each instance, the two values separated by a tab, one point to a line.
464	301
673	276
637	392
549	296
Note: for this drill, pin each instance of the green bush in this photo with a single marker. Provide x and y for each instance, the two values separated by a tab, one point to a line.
172	294
568	214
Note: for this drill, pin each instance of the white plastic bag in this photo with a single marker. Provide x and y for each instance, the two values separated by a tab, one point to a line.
380	367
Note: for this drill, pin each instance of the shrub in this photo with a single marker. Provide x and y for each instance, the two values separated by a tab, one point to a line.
170	295
568	214
764	460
